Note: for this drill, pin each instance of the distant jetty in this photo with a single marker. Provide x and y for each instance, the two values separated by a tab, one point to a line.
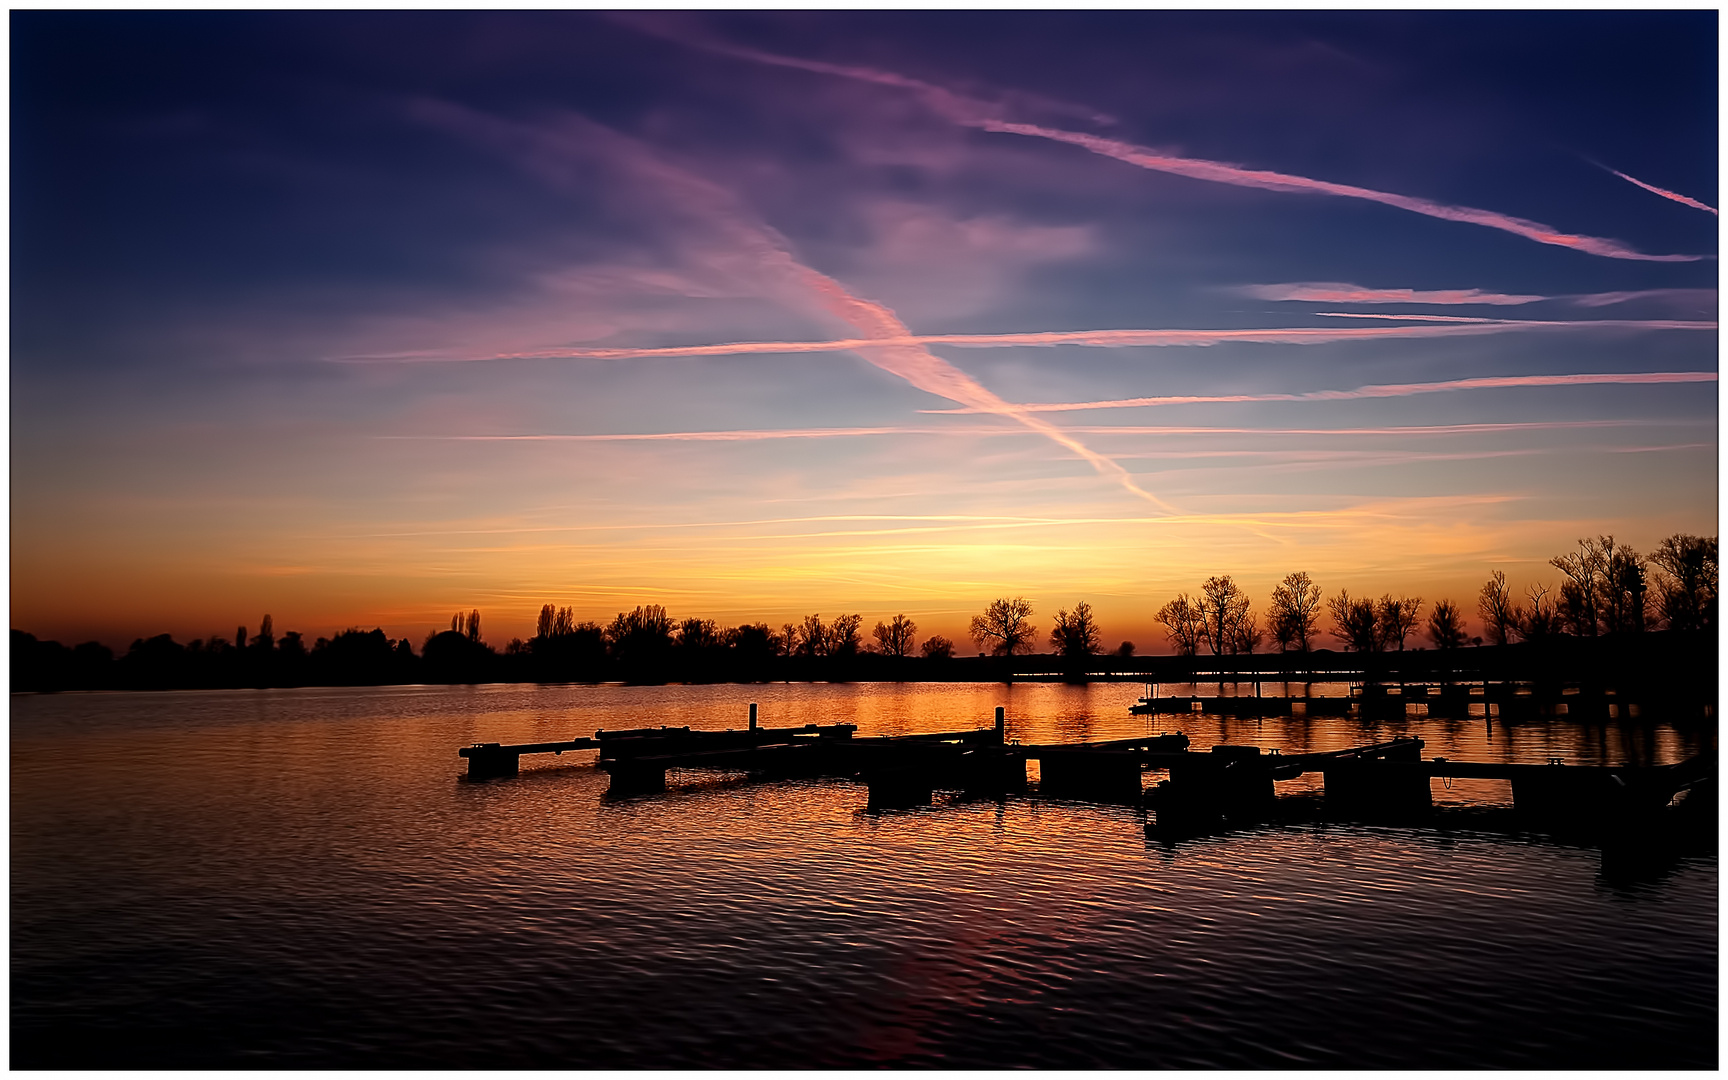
1227	786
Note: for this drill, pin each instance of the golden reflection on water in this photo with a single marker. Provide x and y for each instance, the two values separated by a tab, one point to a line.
182	856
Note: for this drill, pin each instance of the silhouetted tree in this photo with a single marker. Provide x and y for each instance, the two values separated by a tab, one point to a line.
563	649
698	634
1625	600
1581	592
157	663
1445	625
1249	636
1687	583
1500	616
451	656
1223	608
1005	628
895	638
640	641
555	622
1075	635
1542	618
842	636
751	649
356	657
1183	624
1125	650
937	647
812	637
1397	617
266	637
1355	623
1294	611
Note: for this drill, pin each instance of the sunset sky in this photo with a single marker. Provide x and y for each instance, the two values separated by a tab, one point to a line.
361	319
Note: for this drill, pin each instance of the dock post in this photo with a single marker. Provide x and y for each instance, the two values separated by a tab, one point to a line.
900	788
752	716
1001	725
487	761
635	778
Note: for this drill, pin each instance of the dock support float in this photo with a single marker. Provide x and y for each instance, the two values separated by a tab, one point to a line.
1356	787
1097	775
1232	784
487	761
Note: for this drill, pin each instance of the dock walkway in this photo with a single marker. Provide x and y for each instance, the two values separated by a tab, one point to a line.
1225	786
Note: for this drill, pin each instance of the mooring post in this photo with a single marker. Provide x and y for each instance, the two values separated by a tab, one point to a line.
752	716
1001	725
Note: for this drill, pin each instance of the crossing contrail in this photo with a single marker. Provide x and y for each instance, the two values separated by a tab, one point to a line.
894	334
1390	390
1664	192
973	113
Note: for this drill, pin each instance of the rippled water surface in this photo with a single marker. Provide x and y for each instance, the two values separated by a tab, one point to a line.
299	879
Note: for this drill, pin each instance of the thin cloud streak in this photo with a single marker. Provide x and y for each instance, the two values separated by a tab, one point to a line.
1494	382
1664	192
769	434
970	112
1200	169
1405	316
886	342
1107	339
1604	299
1337	292
932	374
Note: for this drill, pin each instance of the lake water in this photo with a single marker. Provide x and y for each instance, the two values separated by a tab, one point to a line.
299	879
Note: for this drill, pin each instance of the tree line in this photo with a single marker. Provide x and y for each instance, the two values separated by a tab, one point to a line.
1604	588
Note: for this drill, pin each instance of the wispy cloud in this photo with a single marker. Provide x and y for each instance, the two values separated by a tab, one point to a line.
1200	169
762	255
1664	192
1493	382
1701	297
772	434
971	112
1405	317
903	337
1336	292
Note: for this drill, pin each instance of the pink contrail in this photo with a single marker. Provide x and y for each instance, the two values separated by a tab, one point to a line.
1437	326
885	341
1218	172
1664	192
775	434
970	112
1337	292
1383	391
1406	317
1331	292
889	347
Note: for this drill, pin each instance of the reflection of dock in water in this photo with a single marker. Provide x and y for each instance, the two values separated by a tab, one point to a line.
1372	700
1227	786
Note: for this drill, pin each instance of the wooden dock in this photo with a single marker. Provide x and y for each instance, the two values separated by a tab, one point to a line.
1223	787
